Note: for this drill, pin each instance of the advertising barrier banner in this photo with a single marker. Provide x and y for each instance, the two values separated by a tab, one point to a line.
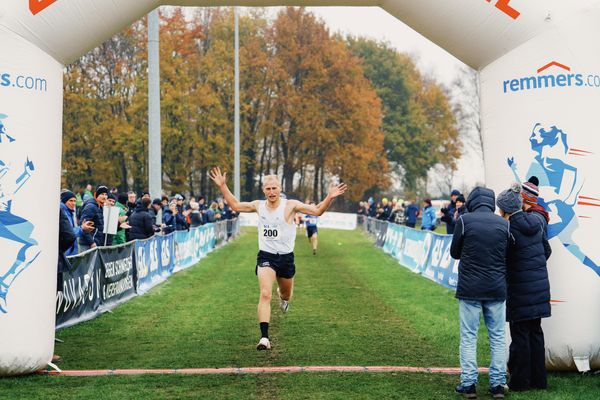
422	252
80	296
442	268
117	275
153	260
100	279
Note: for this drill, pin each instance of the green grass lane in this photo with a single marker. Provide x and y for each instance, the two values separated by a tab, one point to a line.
324	386
353	305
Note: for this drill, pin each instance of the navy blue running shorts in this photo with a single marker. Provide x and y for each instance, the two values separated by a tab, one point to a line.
282	264
311	230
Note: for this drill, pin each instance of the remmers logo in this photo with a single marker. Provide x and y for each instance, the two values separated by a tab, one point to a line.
36	6
563	77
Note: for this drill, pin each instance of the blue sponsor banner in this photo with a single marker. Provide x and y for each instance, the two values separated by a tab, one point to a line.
442	268
422	252
154	261
193	245
166	249
415	248
184	249
394	239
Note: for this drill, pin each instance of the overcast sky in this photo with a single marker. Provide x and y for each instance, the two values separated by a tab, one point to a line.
376	23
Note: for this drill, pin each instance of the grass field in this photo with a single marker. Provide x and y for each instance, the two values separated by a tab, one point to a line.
353	305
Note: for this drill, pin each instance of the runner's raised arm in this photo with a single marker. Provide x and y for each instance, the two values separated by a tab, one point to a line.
236	205
319	209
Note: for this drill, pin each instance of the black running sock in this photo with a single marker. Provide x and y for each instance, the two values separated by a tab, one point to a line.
264	329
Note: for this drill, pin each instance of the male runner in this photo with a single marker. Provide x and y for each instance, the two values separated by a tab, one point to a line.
276	239
310	222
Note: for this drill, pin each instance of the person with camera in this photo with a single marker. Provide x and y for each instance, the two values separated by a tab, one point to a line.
448	212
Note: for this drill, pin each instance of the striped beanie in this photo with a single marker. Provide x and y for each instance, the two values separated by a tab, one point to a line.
529	190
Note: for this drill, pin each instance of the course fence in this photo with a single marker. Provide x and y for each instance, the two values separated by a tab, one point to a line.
422	252
100	279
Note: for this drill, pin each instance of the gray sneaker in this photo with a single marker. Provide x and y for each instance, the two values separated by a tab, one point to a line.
283	304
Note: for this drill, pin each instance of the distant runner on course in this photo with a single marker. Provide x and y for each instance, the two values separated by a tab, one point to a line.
311	222
276	239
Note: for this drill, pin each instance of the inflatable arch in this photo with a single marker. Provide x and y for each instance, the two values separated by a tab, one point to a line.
539	68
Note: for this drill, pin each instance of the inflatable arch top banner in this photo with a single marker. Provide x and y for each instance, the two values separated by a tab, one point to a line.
540	86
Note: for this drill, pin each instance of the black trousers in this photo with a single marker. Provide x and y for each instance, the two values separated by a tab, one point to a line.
526	359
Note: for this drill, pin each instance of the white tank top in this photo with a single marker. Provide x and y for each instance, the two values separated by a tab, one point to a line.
275	235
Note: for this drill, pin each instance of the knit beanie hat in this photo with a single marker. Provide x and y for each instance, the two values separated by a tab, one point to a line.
100	190
530	191
510	200
66	196
461	198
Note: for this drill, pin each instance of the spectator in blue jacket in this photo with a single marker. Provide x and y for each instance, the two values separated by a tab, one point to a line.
480	241
169	218
92	211
68	200
410	215
429	220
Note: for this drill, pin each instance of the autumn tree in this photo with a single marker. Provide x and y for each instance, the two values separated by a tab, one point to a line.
100	117
418	124
325	110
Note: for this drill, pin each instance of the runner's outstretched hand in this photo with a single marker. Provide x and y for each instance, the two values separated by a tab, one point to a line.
218	177
337	190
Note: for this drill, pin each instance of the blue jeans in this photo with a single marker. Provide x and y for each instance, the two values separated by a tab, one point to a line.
494	316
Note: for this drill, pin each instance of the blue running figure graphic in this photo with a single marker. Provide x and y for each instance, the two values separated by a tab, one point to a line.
559	186
12	227
3	130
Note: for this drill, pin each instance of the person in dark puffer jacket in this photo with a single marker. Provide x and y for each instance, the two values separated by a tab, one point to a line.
528	295
480	241
141	221
92	211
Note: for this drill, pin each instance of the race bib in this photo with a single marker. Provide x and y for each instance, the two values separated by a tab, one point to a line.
270	232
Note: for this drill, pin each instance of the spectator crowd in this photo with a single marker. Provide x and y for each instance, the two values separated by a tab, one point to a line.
408	212
82	215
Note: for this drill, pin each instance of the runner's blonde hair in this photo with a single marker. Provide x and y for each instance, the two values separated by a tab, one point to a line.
271	178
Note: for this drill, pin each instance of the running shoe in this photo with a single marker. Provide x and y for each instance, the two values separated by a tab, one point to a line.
283	304
469	392
497	392
314	252
263	344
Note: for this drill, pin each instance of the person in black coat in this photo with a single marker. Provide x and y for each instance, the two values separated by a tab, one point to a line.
92	211
66	238
461	208
448	212
480	241
528	297
142	221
